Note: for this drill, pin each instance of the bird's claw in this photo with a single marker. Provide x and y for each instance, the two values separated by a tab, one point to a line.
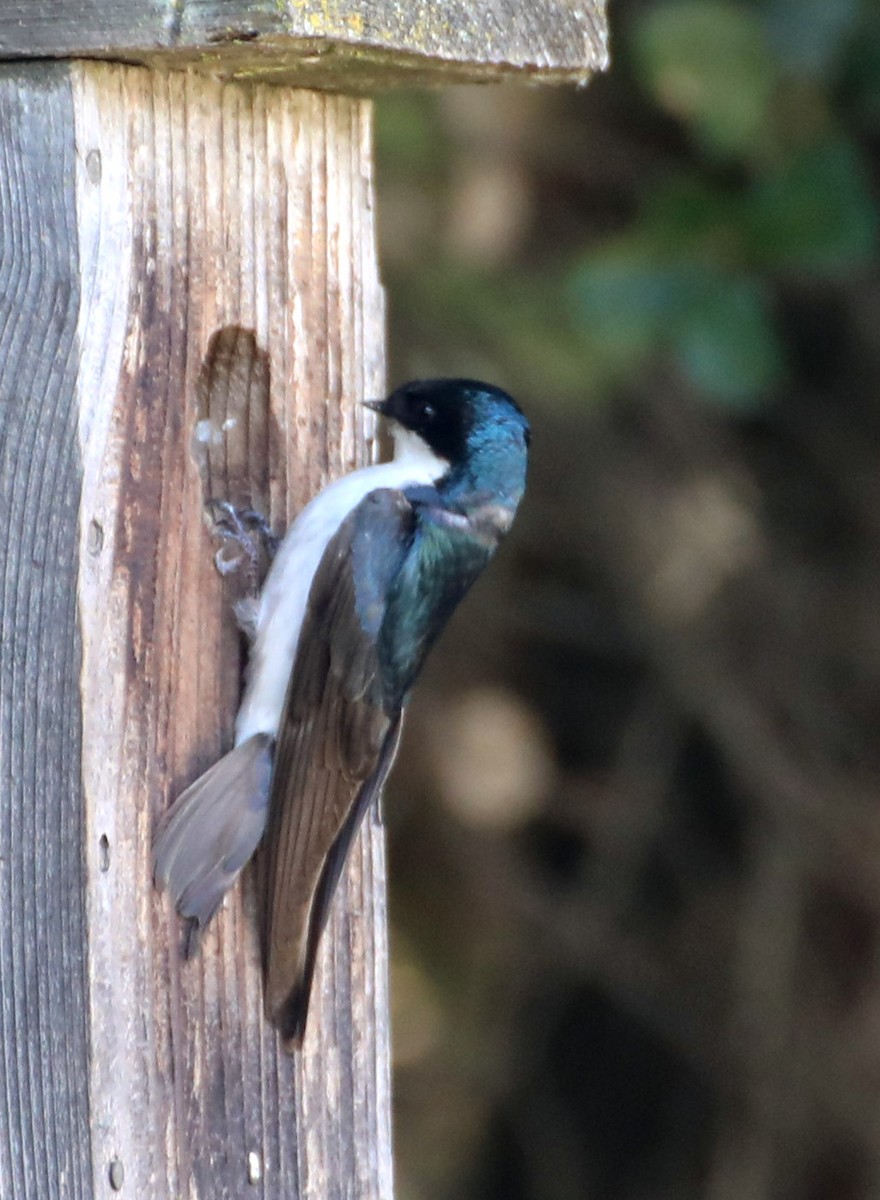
249	531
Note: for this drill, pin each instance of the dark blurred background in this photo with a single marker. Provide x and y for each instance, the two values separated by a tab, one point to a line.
635	833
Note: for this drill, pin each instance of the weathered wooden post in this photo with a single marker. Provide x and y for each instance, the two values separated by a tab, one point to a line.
189	306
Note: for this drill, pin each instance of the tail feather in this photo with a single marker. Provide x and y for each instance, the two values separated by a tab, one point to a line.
211	831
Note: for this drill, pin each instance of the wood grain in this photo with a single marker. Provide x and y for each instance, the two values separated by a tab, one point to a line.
348	45
44	1123
212	215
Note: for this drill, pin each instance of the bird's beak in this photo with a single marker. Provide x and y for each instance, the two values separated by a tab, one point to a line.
375	406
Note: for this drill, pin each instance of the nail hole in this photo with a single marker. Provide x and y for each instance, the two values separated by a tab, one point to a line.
95	538
104	853
117	1174
93	166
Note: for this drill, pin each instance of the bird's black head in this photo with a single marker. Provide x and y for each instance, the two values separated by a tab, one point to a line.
454	416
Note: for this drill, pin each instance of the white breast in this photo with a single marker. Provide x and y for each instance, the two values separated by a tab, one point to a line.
283	599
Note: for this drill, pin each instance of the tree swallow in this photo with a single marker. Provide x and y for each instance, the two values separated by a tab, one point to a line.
360	588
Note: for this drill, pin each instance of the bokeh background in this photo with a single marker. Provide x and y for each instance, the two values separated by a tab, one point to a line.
635	832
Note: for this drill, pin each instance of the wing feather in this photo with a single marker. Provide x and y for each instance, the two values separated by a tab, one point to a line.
336	743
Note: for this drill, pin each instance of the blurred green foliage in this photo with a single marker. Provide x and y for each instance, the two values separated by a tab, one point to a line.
708	64
675	270
761	115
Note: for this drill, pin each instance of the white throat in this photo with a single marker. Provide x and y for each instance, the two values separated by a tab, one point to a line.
411	449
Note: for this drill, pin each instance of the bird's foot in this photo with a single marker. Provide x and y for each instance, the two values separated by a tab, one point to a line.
249	532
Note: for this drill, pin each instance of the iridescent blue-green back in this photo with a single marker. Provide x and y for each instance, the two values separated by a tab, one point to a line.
457	528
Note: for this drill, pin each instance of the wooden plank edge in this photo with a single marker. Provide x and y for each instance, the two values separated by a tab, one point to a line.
354	70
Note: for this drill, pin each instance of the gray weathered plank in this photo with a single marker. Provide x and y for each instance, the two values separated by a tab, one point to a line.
44	1113
349	45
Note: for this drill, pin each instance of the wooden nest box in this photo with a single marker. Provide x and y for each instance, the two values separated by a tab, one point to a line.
189	306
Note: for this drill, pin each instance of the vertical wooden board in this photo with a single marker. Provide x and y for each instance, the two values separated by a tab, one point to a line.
44	1120
206	209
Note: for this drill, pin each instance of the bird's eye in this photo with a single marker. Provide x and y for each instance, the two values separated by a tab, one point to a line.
424	412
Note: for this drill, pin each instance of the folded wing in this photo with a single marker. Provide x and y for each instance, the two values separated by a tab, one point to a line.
335	745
